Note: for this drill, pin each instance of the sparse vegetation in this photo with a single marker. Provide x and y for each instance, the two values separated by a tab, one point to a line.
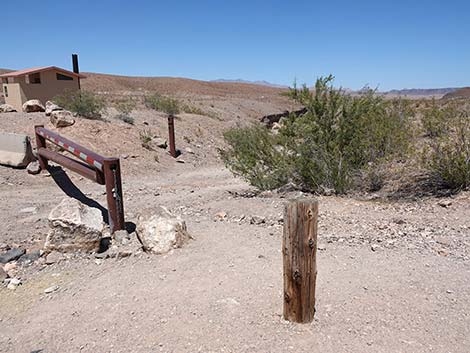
326	148
446	156
146	137
168	105
84	103
125	108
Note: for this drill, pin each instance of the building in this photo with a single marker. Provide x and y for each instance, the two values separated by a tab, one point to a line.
43	83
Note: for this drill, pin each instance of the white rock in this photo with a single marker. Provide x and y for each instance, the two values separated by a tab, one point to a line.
51	107
160	231
62	118
33	105
13	283
74	227
33	168
51	289
7	108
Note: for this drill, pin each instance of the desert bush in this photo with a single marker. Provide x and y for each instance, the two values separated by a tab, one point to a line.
446	156
436	118
125	108
84	103
168	105
191	109
255	155
327	147
146	137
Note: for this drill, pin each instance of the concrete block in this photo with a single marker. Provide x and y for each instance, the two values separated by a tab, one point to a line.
15	150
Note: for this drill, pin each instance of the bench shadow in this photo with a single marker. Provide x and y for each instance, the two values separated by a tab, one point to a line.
70	189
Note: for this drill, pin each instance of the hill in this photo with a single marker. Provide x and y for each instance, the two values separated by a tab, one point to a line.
173	85
459	93
420	92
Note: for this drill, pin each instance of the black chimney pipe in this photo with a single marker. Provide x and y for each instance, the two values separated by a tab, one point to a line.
75	67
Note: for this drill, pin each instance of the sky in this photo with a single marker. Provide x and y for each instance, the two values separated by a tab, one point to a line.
382	43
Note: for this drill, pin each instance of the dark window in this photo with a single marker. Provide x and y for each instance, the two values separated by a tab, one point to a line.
61	77
5	88
35	78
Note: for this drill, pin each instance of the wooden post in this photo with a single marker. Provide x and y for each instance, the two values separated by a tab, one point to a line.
299	250
40	143
171	133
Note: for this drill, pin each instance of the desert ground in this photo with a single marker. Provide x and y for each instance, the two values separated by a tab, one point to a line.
393	274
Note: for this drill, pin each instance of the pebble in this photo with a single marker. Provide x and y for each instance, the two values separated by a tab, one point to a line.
51	289
445	203
54	257
13	283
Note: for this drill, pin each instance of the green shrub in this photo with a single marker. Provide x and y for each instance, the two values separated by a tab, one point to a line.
327	147
125	108
436	118
84	103
446	156
168	105
254	155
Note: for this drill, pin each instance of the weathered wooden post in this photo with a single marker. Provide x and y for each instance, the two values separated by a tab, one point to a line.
171	133
299	250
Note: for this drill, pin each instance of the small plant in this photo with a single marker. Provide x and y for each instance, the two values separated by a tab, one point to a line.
84	103
146	137
168	105
125	108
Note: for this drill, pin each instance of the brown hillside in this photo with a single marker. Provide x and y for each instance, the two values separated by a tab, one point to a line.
460	93
171	85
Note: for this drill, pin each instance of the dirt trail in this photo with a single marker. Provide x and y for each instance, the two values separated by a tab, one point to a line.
223	291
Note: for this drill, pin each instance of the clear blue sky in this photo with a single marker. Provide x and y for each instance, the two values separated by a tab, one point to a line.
384	43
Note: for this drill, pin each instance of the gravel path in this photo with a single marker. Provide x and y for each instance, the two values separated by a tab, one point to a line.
392	277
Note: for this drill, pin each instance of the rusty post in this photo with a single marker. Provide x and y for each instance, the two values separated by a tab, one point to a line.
112	176
171	132
40	143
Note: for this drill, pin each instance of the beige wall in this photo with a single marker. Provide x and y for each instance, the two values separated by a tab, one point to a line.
20	91
14	95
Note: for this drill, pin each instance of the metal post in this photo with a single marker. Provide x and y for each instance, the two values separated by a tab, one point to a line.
112	176
40	143
171	132
75	67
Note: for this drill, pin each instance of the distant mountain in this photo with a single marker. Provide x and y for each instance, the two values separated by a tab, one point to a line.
438	92
261	83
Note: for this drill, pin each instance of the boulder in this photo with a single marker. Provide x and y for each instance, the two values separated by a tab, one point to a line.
62	118
7	108
52	107
159	231
15	150
74	227
33	105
